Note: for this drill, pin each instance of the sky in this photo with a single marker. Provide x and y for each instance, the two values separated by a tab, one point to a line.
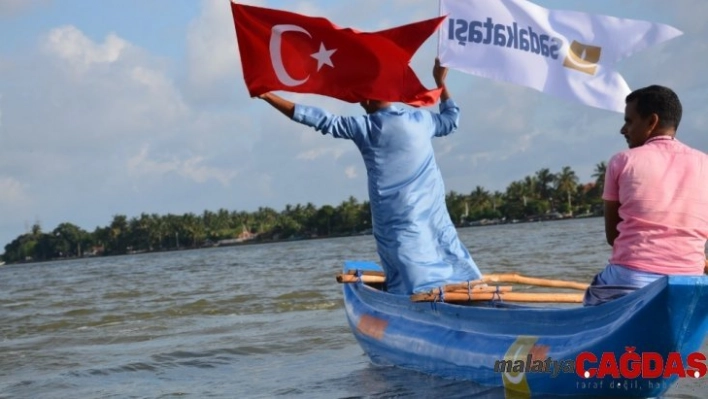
131	106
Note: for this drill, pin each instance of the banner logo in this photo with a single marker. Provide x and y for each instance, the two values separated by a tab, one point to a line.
583	57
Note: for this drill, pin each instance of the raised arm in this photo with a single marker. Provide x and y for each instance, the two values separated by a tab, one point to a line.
338	126
447	120
286	107
440	74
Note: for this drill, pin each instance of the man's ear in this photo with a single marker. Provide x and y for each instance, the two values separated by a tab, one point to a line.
653	122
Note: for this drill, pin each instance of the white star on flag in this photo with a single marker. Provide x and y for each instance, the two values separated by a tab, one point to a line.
323	56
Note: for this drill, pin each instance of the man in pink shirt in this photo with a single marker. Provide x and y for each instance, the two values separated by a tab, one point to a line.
656	200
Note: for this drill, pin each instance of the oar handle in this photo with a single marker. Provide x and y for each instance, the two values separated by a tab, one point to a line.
349	278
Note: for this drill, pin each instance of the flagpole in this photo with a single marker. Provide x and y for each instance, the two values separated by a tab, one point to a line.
439	13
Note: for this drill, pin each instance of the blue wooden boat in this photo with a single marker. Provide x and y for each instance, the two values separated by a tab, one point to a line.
467	341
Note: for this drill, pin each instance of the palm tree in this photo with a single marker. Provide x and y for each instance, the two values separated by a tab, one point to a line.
266	219
531	186
68	239
140	229
157	230
118	234
347	215
193	228
480	198
544	182
497	200
599	175
324	220
36	230
455	203
521	190
567	183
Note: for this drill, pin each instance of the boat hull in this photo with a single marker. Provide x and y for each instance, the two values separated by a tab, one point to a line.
469	342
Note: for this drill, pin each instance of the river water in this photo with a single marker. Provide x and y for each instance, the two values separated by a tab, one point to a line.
256	321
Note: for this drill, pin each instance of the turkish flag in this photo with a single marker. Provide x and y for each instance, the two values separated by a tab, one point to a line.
291	52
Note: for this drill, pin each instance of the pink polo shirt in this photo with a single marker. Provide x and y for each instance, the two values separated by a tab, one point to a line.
662	188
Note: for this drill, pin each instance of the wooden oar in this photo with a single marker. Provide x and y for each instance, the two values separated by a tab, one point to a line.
378	277
461	286
541	282
347	278
477	290
366	272
350	278
540	297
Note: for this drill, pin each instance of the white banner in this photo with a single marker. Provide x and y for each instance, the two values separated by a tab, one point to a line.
568	54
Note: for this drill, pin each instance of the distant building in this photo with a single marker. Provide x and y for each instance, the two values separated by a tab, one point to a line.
246	235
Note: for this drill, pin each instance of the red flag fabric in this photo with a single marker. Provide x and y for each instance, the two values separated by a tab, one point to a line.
282	50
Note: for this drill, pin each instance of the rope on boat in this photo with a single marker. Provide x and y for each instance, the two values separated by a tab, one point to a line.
497	295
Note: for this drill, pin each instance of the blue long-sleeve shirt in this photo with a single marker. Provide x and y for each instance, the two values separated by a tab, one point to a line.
416	240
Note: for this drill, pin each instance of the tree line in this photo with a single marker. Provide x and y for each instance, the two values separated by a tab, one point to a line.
543	195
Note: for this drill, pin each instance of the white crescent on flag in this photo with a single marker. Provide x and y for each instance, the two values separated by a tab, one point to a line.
323	55
276	57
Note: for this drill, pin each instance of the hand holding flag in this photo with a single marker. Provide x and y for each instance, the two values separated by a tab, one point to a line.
286	51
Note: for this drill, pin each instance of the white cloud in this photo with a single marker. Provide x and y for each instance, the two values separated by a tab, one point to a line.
9	8
75	122
69	43
314	153
110	90
213	60
309	8
192	168
93	126
350	172
13	192
690	15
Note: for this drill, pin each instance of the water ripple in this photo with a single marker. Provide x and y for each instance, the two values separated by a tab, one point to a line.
250	321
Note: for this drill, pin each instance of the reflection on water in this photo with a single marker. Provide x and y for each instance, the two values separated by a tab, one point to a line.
252	321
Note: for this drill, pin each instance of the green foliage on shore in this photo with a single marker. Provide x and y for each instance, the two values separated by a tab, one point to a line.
544	195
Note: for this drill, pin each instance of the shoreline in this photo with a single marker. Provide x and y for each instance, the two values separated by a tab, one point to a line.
276	241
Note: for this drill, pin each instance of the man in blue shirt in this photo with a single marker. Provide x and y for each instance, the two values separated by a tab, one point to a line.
415	238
